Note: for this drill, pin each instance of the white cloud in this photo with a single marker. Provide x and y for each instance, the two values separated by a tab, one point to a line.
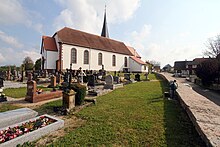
11	56
87	15
2	58
12	12
10	40
184	34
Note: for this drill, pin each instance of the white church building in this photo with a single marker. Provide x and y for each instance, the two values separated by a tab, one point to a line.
88	51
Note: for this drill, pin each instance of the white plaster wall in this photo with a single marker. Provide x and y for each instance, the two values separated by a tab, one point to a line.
93	59
136	67
51	58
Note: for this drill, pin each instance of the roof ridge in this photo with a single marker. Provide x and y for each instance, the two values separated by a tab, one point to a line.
90	34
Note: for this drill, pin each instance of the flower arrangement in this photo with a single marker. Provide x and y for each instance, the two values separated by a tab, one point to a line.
11	133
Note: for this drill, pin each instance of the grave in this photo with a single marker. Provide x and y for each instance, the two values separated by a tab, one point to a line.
137	77
34	135
2	95
116	79
68	100
15	116
53	82
33	97
109	83
91	80
127	76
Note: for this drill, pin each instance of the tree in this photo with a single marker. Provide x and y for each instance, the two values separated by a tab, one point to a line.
28	63
207	71
38	64
213	47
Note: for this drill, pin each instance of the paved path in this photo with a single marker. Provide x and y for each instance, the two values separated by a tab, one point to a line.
204	113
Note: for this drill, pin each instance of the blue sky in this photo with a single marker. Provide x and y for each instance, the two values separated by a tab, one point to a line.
164	31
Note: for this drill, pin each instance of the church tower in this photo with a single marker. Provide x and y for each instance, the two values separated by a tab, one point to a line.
105	28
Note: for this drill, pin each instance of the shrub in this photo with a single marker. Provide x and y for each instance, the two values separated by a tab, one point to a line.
80	93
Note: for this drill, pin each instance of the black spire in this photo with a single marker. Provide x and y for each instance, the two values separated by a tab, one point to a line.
105	28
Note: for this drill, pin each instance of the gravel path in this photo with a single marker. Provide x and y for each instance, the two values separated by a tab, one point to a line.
204	113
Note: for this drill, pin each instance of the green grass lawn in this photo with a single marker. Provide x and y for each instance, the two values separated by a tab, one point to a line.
20	92
7	107
136	115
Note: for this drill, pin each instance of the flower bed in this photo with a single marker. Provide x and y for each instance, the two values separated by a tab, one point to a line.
29	130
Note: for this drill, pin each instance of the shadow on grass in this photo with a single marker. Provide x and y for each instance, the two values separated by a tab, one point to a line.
48	108
179	130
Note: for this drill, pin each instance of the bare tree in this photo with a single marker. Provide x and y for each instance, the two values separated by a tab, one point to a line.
213	47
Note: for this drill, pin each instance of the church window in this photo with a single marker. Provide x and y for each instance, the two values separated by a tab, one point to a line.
86	57
113	60
73	55
100	59
126	62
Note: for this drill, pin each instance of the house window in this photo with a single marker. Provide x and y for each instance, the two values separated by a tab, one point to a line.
86	57
100	59
113	60
73	55
126	62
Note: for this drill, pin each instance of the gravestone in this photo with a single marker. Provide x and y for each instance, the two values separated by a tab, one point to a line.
1	82
109	79
91	80
69	100
116	79
30	76
127	76
53	81
137	77
31	90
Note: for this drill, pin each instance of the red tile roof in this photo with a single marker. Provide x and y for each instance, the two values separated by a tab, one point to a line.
138	60
49	43
133	51
79	38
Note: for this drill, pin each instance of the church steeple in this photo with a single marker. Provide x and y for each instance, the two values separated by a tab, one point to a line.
105	28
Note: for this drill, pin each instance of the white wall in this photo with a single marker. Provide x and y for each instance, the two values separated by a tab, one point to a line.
136	67
93	59
50	59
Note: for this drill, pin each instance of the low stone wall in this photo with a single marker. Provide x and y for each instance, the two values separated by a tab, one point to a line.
44	96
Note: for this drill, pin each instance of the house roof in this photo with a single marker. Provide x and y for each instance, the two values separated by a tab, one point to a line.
199	60
138	60
180	65
79	38
49	43
133	51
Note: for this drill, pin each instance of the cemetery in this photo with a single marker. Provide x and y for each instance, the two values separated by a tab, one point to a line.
88	95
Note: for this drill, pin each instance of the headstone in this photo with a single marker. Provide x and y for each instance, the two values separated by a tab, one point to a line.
53	82
127	76
9	73
30	76
137	77
91	80
69	100
31	89
109	80
1	82
116	79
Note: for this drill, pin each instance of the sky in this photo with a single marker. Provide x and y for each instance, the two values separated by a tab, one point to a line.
162	31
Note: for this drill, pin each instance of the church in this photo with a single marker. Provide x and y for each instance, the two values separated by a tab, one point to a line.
88	51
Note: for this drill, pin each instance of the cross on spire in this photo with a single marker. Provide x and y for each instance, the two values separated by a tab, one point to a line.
105	28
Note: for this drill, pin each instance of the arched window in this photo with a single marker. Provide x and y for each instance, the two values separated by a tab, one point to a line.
100	59
126	62
73	55
113	60
86	57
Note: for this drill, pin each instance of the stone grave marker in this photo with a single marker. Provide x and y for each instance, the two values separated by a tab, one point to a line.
137	77
91	80
127	76
109	79
53	81
116	79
